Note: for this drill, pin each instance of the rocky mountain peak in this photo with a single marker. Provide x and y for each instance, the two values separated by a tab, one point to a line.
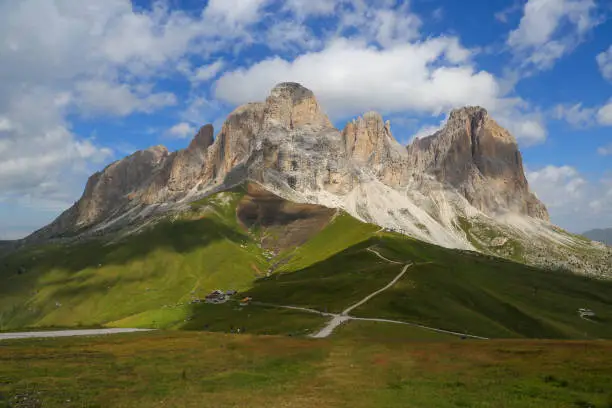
292	90
290	105
203	139
366	136
370	143
473	113
476	156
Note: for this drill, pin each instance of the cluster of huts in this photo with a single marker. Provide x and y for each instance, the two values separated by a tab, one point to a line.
220	296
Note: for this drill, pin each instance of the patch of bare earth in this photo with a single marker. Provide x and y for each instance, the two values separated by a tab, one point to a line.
283	224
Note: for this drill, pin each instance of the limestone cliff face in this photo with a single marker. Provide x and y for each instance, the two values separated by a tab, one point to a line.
476	156
235	141
108	191
288	142
369	142
179	172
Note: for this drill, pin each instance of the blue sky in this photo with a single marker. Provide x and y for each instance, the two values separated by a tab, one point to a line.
85	83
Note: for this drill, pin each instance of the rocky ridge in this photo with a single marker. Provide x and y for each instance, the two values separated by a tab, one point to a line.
436	189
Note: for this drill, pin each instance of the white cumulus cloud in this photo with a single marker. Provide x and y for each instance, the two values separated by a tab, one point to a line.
574	202
242	11
349	77
605	150
181	130
549	29
103	97
208	72
604	114
580	116
576	115
604	61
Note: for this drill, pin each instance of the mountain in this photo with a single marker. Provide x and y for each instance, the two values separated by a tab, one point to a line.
463	187
601	235
5	246
283	253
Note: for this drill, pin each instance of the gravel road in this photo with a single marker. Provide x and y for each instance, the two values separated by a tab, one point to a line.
65	333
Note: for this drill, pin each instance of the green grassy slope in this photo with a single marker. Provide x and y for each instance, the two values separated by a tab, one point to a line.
342	233
145	274
148	280
452	290
491	296
332	284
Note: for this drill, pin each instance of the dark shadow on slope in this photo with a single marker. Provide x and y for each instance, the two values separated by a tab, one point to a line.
181	236
259	207
283	224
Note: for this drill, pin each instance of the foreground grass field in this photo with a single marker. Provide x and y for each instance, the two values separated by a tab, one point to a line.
189	369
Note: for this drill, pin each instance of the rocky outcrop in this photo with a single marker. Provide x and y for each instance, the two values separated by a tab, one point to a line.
370	143
298	147
188	165
181	171
480	159
235	141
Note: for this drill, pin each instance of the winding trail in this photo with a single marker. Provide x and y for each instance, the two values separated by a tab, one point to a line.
343	317
331	326
371	295
382	257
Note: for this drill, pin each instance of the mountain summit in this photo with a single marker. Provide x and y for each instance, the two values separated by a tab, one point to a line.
462	187
480	159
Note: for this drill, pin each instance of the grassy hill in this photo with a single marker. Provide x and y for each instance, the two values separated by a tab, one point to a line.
452	290
98	282
148	279
235	239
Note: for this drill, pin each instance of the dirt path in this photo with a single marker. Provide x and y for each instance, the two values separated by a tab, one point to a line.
301	309
331	326
419	326
343	317
371	295
382	257
65	333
